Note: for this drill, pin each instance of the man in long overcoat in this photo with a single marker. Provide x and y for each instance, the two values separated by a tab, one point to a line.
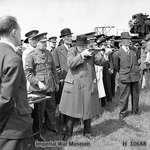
80	94
126	63
15	113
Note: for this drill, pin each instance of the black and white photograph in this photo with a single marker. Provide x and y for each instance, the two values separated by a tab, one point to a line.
74	75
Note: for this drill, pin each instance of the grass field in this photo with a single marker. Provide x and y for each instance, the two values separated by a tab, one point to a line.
109	133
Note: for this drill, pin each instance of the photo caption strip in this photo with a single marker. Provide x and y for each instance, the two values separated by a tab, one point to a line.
61	144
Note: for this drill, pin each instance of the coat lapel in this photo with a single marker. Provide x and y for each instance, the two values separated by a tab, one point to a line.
63	51
132	54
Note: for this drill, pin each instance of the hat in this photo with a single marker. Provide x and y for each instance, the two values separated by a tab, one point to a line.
41	37
90	35
52	39
81	40
104	38
65	32
125	35
30	34
26	40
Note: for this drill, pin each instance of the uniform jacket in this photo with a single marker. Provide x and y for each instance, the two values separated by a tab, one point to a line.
25	53
127	65
15	118
39	66
80	94
60	60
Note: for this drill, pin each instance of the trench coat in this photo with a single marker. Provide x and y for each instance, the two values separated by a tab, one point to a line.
80	94
15	112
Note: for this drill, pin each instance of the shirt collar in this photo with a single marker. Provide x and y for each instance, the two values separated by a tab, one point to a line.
31	47
67	47
10	44
125	48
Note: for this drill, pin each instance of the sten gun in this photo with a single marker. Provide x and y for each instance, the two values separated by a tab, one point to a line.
96	49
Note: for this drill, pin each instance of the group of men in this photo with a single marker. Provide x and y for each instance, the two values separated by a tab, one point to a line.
66	74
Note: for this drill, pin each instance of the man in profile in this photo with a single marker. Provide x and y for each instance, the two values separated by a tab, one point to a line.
15	118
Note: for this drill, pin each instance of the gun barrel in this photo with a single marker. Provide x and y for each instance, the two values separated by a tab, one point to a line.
97	49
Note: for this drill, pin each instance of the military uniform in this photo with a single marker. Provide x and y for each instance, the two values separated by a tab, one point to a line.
39	66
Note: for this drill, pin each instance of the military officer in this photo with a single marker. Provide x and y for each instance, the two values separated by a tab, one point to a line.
31	46
52	43
31	43
41	73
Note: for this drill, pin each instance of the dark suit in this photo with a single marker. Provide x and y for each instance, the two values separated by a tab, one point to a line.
129	75
15	118
60	60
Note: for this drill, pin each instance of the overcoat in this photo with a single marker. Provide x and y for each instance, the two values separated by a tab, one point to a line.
80	94
15	112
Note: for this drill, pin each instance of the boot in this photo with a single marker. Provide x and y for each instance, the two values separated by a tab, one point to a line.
87	128
69	128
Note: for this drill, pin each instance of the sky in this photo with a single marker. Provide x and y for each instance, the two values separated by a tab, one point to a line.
81	16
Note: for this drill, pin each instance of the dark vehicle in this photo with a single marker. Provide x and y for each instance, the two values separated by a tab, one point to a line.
140	24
